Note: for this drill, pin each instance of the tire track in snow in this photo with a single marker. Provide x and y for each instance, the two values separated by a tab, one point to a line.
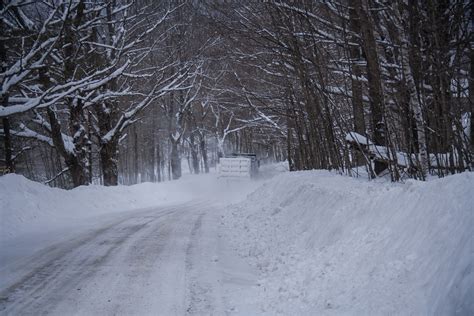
69	264
150	262
204	272
199	298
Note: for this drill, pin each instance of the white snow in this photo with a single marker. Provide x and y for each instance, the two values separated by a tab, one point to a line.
319	243
403	159
358	138
33	215
328	244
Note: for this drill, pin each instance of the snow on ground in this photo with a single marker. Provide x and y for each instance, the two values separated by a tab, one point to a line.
33	215
27	205
328	244
320	243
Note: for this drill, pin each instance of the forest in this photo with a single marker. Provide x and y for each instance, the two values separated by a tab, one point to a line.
121	92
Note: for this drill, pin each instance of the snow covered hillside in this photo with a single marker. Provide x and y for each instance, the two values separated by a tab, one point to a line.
327	244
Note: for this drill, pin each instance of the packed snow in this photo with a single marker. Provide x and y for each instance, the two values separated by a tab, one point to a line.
328	244
34	215
310	242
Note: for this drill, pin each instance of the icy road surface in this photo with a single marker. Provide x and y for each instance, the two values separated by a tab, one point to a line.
162	261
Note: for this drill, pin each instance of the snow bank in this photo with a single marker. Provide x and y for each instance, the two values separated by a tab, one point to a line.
33	215
328	244
26	205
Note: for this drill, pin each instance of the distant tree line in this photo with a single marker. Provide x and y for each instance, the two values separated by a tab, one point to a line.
121	91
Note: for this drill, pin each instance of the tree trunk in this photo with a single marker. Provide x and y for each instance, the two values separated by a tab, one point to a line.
152	163
220	147
108	159
72	161
159	163
6	121
202	145
175	160
289	146
357	100
108	146
89	147
80	137
415	105
153	147
136	171
8	146
373	77
194	154
471	98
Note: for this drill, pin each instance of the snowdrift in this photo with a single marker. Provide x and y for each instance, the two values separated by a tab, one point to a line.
328	244
27	206
34	216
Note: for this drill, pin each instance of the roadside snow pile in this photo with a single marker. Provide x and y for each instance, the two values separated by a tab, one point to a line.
28	207
328	244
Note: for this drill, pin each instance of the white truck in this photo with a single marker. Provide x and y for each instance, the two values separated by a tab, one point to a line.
238	166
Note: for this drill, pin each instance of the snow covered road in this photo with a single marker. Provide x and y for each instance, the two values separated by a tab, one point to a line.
167	261
300	243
